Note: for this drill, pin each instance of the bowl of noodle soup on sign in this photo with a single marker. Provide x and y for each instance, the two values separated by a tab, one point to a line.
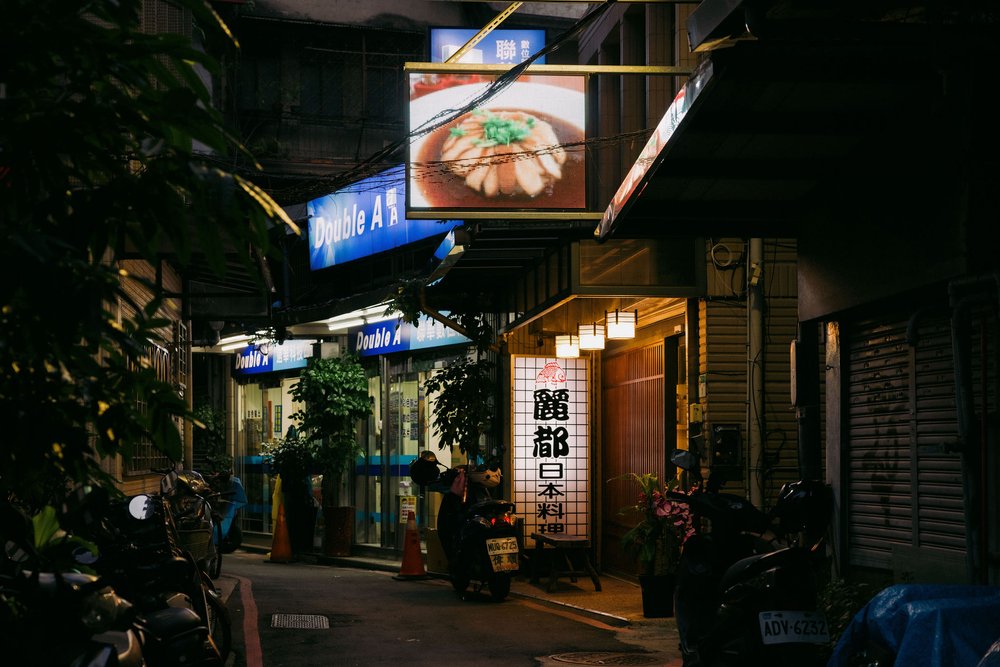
520	149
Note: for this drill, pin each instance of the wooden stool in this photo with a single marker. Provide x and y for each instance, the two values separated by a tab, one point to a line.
566	548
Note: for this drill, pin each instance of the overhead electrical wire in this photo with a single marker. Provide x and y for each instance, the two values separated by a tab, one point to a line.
376	162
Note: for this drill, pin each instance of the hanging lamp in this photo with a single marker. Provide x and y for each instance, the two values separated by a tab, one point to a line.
621	324
567	346
591	336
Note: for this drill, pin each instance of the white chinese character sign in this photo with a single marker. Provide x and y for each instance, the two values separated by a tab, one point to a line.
551	430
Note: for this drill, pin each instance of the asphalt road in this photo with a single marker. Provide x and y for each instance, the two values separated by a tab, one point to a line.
375	619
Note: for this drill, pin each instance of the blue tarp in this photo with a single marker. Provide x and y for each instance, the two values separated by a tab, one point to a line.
927	625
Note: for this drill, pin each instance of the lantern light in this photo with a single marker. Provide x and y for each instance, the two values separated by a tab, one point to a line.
591	336
621	324
567	346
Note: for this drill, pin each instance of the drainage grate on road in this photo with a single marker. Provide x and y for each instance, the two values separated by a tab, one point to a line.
605	658
300	621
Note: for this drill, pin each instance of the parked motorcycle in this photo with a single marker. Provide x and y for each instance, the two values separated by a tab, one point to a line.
477	531
138	553
227	499
62	617
746	590
188	500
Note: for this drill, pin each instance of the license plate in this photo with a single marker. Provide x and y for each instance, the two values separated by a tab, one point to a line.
785	627
503	553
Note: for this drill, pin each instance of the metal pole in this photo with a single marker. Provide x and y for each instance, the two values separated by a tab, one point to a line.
755	375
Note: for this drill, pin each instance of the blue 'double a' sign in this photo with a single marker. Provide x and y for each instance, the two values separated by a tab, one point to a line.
254	359
365	218
398	336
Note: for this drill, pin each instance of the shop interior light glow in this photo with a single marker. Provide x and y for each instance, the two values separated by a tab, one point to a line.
567	346
621	324
591	336
356	318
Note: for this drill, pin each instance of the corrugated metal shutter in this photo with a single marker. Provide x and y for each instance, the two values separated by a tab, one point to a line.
904	484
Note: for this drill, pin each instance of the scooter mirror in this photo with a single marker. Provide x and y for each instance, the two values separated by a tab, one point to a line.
140	507
683	459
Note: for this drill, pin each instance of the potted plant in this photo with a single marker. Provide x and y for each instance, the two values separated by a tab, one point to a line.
294	459
334	396
656	541
463	406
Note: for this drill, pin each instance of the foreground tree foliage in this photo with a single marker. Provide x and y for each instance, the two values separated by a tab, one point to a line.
97	127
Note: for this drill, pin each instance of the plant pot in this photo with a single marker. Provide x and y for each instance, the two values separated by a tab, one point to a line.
338	534
300	515
657	595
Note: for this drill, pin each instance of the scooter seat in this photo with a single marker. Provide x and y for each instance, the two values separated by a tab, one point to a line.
751	566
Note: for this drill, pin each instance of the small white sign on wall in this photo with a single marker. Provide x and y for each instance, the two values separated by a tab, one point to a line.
551	431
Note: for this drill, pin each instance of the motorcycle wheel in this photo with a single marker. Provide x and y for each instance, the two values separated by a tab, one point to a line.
212	565
499	585
218	624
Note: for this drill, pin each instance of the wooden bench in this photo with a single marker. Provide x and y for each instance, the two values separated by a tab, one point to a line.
569	549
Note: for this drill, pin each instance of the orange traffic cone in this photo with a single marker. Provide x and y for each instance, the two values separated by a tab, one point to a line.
281	547
413	562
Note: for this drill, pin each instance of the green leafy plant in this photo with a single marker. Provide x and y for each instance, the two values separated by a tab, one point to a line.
334	394
105	141
840	600
464	405
209	439
292	458
406	300
663	525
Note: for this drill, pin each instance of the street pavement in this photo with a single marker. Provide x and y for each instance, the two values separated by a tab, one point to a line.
617	606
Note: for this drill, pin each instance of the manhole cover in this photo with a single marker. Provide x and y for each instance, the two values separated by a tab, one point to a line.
605	658
300	621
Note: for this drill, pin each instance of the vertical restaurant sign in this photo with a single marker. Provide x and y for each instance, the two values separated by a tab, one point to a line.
252	360
551	445
365	218
500	47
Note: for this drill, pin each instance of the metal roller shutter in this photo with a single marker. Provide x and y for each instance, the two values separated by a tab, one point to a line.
904	476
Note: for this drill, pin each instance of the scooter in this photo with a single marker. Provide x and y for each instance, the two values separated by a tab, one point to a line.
140	555
61	617
746	590
228	498
477	531
187	498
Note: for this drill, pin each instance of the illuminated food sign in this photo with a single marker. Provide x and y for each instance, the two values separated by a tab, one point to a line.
499	47
551	430
363	219
520	149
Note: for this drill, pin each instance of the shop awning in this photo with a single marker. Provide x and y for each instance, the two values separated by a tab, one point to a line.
787	115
